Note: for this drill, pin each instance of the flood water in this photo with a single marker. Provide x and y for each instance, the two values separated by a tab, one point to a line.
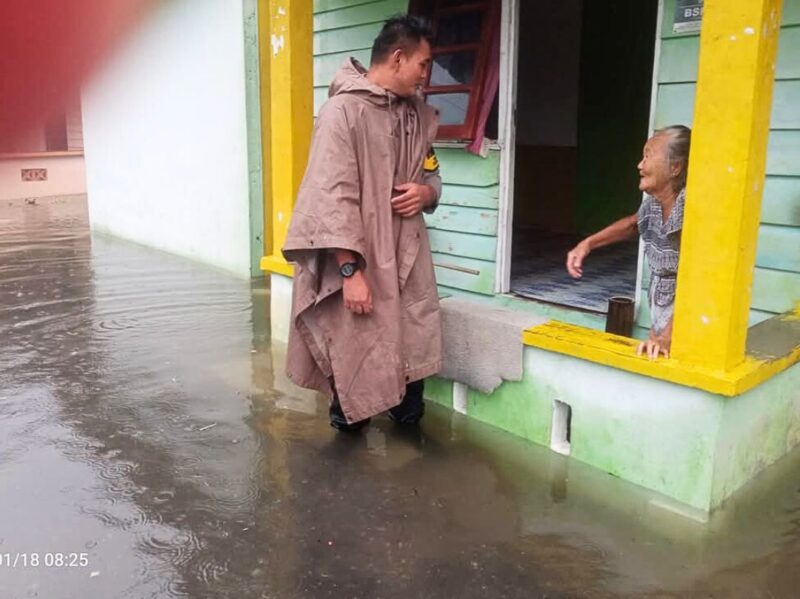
149	439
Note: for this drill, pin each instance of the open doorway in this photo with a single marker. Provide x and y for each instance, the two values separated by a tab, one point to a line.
584	79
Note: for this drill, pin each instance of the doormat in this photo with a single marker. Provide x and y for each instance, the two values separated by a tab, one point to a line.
542	275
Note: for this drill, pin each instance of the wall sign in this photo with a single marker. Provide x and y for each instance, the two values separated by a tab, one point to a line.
688	16
34	174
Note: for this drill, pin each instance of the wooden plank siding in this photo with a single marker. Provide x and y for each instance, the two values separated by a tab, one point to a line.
781	203
466	245
678	63
355	13
344	28
774	291
643	320
480	221
464	227
463	230
776	283
675	104
467	274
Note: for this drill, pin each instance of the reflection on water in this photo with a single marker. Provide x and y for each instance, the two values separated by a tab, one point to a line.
145	422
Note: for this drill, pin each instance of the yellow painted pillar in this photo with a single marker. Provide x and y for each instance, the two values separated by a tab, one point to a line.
738	46
291	107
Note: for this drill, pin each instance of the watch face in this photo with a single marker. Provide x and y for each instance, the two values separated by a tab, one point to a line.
347	270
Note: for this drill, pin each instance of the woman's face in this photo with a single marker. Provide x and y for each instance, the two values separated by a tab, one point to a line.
655	176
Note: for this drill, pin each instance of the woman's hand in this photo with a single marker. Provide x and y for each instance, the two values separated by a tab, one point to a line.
575	259
655	345
624	228
357	296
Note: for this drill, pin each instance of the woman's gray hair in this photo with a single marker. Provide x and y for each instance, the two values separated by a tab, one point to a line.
678	142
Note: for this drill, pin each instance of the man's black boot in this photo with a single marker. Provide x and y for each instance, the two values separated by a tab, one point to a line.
411	410
339	422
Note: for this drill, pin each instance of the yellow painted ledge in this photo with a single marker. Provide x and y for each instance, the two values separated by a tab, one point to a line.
620	352
278	265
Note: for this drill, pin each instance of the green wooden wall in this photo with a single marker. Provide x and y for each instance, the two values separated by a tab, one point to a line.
463	230
776	284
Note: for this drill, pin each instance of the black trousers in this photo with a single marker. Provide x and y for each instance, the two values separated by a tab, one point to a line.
409	411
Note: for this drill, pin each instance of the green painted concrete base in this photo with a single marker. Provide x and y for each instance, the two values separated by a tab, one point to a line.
689	445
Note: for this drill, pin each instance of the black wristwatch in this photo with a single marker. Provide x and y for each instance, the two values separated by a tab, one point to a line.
348	269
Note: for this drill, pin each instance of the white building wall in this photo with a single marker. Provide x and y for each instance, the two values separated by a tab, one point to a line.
165	135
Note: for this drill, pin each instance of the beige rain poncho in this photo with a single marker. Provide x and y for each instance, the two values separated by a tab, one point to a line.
366	141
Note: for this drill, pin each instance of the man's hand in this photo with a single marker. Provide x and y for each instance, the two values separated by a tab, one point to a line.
357	296
575	259
655	346
414	199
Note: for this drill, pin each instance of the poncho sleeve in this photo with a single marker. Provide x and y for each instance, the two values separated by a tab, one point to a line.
430	169
327	213
432	177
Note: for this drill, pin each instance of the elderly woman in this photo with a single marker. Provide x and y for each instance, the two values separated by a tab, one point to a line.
659	220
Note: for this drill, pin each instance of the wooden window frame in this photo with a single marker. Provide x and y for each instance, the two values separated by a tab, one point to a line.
465	131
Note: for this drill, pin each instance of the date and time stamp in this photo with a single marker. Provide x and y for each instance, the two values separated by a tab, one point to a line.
55	559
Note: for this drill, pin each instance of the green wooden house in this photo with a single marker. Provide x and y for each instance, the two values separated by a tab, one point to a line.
582	84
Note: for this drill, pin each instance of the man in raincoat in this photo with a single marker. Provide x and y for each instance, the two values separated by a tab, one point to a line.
365	326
